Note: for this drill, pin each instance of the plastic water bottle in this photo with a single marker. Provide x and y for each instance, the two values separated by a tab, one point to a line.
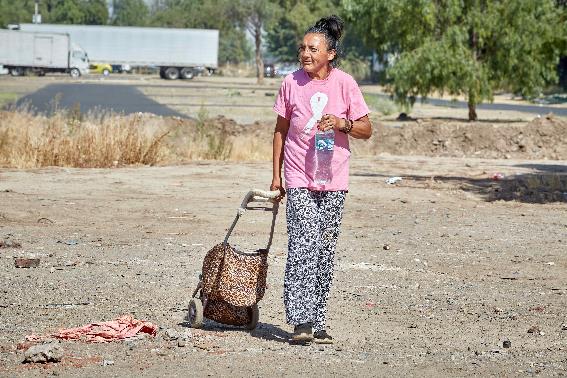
324	144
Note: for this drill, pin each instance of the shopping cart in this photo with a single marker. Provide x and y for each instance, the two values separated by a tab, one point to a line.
232	282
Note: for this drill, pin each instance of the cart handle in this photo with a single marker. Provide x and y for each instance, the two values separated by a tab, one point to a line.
257	195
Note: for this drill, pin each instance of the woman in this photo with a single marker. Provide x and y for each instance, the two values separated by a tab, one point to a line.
318	94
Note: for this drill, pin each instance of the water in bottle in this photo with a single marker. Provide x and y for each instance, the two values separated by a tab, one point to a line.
324	144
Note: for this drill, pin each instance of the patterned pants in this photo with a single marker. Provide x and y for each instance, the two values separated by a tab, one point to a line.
313	225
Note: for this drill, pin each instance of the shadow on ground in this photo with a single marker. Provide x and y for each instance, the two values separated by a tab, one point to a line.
547	184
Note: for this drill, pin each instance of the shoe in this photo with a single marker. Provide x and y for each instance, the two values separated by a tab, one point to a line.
302	333
322	337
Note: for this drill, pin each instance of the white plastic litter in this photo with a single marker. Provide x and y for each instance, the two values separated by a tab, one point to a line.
393	180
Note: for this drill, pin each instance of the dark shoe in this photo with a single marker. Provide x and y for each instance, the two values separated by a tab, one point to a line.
322	337
302	333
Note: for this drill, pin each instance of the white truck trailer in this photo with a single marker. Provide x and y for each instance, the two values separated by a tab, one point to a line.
178	53
41	52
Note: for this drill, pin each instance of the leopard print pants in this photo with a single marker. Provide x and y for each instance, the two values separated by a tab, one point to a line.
313	225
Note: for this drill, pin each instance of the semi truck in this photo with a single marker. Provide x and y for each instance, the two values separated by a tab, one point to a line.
179	53
41	52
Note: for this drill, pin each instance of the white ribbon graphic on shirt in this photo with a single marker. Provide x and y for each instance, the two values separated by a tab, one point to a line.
318	102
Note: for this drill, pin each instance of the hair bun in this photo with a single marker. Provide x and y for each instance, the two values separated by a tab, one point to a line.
333	24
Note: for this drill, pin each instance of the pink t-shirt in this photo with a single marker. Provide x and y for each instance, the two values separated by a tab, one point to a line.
303	101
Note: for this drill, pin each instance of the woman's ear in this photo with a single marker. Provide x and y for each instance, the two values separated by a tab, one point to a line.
331	54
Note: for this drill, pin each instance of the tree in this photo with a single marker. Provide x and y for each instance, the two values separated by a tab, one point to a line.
130	13
95	12
65	12
19	11
464	47
297	16
257	16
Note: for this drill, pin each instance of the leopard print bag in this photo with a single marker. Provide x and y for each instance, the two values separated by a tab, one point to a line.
235	277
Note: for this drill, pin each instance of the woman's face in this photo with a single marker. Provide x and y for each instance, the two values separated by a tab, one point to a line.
313	53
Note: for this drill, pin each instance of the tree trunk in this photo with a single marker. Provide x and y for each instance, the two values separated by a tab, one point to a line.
472	111
259	60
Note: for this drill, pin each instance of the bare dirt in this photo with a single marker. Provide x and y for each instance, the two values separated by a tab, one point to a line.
459	269
463	272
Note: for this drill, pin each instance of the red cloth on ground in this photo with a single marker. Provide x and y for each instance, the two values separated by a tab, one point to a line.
122	328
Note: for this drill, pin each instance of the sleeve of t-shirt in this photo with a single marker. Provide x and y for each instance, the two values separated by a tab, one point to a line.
282	106
357	106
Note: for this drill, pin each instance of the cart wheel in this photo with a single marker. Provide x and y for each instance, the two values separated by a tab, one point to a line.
195	315
254	316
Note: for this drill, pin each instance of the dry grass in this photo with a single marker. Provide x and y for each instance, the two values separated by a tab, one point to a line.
69	139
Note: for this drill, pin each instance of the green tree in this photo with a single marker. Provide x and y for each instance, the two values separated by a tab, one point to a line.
95	12
19	11
256	16
65	12
464	47
130	13
297	16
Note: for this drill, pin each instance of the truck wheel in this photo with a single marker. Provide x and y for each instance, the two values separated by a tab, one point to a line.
74	73
162	73
105	72
171	73
187	73
17	71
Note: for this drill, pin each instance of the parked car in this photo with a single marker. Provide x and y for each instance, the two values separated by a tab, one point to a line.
269	70
286	69
101	68
203	71
121	68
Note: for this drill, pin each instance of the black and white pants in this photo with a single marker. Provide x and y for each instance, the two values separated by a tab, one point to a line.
313	225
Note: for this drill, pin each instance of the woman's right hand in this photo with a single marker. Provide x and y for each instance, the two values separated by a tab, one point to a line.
277	185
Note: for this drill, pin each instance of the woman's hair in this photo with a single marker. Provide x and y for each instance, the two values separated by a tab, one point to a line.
332	28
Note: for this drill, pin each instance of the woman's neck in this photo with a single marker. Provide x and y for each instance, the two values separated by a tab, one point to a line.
321	74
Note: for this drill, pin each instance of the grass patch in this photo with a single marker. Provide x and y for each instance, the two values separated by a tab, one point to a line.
7	98
101	140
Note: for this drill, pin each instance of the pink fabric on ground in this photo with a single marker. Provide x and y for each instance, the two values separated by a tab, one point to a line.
122	328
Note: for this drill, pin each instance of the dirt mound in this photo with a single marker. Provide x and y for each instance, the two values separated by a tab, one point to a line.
542	138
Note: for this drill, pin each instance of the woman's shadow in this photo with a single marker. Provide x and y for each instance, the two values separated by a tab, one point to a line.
270	332
263	331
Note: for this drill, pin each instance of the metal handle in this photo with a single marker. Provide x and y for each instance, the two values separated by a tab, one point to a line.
257	195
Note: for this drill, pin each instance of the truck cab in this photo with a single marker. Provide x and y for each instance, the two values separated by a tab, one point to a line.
78	61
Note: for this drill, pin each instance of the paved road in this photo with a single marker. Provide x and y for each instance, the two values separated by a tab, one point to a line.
128	99
533	109
95	97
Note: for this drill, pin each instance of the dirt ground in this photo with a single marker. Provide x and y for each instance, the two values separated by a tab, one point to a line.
433	274
462	273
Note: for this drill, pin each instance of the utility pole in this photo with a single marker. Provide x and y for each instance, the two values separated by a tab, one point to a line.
36	19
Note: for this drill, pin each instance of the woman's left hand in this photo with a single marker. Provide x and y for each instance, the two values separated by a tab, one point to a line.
328	122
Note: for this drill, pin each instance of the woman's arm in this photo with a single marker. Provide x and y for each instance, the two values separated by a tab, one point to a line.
280	133
361	128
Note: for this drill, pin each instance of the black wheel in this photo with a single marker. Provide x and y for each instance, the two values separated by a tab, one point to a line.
195	314
171	73
254	317
74	73
17	71
187	73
